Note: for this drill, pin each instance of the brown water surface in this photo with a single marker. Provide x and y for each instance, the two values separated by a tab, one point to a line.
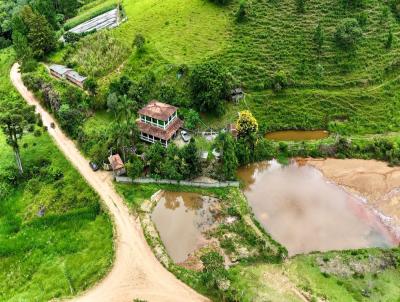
181	218
297	135
305	213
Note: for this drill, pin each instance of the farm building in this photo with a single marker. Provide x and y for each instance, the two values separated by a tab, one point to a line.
59	71
75	78
63	72
117	164
158	122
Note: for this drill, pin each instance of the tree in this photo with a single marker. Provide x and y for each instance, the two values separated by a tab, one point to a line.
191	118
389	40
319	38
300	6
90	85
209	84
155	156
37	30
229	161
139	42
243	11
191	157
70	119
348	33
134	167
279	81
246	125
15	119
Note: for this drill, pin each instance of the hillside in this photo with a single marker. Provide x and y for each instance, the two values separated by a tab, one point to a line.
345	91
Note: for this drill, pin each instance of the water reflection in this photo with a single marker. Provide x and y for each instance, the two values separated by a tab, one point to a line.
305	213
181	218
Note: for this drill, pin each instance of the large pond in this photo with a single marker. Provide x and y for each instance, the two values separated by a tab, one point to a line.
305	213
181	220
297	135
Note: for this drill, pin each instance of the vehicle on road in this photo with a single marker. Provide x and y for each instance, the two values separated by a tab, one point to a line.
94	166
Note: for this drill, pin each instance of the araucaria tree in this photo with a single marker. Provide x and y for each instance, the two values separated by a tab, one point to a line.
209	83
15	118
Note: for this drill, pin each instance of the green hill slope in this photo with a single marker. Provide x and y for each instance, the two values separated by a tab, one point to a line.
345	91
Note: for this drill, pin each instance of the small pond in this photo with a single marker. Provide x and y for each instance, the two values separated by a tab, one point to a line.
305	212
181	218
297	135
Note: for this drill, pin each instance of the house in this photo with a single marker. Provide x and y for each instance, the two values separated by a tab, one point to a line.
237	94
117	164
158	122
75	78
59	71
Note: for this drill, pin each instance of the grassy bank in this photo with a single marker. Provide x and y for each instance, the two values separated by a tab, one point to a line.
55	240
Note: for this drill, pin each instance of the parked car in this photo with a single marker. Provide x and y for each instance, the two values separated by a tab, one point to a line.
94	166
185	136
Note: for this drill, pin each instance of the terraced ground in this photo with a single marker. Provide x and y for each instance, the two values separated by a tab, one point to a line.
349	92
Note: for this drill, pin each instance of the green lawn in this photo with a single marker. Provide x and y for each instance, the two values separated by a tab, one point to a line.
71	246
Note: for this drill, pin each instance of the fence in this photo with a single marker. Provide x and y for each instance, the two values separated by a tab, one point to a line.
217	184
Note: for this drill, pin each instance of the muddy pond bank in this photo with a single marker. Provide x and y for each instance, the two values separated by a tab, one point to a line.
305	212
297	135
374	180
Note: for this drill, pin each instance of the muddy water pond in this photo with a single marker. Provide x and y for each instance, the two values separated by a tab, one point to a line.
297	135
305	212
181	219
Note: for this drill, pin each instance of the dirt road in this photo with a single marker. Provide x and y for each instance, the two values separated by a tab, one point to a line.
136	272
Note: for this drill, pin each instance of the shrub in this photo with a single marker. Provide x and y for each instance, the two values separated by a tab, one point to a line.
139	42
71	37
300	6
279	81
348	33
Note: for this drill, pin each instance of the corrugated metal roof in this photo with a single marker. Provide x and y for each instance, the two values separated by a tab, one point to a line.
76	76
60	69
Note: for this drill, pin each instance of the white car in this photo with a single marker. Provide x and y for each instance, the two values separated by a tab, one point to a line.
185	136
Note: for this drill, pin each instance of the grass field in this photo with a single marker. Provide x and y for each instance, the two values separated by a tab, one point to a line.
349	92
355	277
71	246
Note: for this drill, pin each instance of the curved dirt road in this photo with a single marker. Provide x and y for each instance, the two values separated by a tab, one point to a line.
136	272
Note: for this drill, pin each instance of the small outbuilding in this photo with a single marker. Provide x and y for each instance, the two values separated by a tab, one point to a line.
75	78
237	94
117	164
59	71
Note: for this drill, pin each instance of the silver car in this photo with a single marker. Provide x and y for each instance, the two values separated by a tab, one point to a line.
185	136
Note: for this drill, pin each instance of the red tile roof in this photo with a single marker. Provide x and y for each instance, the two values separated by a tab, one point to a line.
158	110
159	132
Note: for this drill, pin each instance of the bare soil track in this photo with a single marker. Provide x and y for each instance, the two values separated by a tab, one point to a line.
136	273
